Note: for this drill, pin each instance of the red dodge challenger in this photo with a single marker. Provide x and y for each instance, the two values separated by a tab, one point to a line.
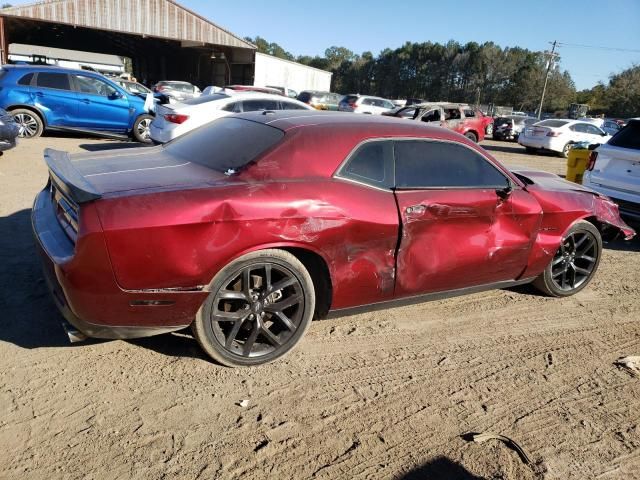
249	227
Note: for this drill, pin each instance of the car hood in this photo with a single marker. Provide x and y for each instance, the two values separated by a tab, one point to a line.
138	170
557	194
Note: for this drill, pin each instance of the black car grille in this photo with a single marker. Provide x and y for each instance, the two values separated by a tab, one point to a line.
66	211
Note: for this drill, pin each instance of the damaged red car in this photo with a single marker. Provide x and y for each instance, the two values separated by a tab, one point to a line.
249	227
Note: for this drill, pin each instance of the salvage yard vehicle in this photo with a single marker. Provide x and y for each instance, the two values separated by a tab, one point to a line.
365	104
446	115
614	170
510	127
252	225
9	130
320	100
176	91
174	120
558	135
53	98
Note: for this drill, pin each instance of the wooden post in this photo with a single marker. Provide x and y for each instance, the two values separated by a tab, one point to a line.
4	45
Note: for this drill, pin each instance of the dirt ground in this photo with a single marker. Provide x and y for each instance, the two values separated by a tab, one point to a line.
382	395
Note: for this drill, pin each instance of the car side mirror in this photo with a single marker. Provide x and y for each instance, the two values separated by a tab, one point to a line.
503	193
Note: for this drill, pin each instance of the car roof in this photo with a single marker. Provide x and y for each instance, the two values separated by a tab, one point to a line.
52	68
368	125
440	104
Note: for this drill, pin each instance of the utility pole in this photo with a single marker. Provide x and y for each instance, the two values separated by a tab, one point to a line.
552	56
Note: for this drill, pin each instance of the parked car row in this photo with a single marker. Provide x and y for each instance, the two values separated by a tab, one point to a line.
558	135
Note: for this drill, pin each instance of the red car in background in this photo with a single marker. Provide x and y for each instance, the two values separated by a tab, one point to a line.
249	227
458	117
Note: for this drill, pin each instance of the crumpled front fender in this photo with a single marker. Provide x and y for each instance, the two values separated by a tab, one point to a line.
606	212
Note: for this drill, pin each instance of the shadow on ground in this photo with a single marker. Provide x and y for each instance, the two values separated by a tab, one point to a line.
441	468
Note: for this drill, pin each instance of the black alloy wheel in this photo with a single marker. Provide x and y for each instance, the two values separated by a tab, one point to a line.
574	263
258	309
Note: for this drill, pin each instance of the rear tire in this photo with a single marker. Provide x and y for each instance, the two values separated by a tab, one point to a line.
471	136
574	264
259	308
141	129
29	123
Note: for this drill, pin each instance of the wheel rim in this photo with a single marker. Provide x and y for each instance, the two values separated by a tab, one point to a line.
566	149
258	310
575	261
27	125
490	129
144	128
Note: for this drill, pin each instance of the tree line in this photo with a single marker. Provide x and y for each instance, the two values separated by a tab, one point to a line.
471	73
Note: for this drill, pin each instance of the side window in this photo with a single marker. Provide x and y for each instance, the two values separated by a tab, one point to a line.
257	105
93	86
367	101
235	107
579	127
26	79
592	129
372	163
469	113
432	116
291	106
425	164
407	112
59	81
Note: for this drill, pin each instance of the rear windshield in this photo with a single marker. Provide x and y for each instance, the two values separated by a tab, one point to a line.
552	123
501	120
628	137
205	99
350	98
180	87
225	145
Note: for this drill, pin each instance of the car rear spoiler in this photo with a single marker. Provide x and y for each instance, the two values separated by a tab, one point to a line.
67	178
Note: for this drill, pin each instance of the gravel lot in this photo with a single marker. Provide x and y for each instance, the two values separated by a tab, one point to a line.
379	395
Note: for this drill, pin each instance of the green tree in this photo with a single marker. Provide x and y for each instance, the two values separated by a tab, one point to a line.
623	93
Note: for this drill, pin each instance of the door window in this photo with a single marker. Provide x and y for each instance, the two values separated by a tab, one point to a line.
93	86
258	105
235	107
592	130
424	164
371	163
59	81
432	116
291	106
26	79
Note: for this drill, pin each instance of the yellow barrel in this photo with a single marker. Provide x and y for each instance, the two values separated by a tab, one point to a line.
577	164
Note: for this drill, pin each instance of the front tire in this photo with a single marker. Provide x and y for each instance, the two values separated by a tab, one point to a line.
489	129
471	136
29	123
259	308
142	129
574	264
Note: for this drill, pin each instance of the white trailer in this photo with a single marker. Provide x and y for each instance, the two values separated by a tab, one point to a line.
276	72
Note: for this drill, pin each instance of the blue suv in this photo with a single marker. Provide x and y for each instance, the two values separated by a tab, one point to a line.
52	98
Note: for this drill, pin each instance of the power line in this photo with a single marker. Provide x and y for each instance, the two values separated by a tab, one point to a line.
578	45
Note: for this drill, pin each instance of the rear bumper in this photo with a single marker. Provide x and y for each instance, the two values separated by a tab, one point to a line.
543	143
628	203
84	290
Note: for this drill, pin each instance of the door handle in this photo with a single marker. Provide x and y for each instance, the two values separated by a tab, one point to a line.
86	100
415	210
39	94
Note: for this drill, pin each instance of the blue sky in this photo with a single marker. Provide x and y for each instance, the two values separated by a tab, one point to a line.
308	28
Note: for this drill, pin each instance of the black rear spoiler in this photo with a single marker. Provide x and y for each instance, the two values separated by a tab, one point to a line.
67	178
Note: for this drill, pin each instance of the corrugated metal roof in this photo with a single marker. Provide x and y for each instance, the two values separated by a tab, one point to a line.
155	18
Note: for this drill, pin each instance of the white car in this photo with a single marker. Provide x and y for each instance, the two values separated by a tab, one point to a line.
558	135
365	104
174	120
614	170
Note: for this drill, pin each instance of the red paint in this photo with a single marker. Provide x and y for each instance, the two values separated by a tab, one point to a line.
157	238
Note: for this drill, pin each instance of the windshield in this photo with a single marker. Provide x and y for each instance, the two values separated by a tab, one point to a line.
133	87
225	145
178	86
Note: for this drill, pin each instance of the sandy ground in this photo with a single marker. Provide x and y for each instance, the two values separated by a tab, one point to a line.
381	395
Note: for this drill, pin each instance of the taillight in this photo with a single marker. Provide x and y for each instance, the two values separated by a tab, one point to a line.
593	156
176	118
554	134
